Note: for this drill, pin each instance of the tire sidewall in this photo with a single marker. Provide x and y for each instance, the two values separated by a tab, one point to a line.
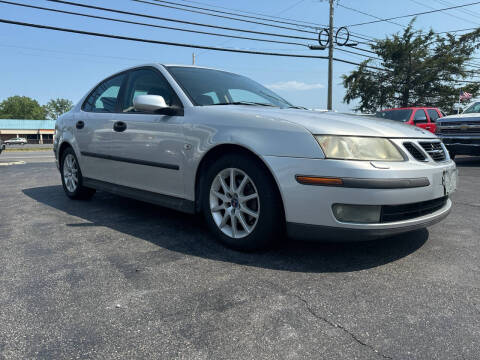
270	222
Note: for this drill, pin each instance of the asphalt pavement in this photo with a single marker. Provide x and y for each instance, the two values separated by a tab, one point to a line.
113	278
27	156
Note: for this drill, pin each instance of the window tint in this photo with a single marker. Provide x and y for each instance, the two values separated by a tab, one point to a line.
104	97
474	108
433	115
397	115
199	83
148	82
245	95
420	116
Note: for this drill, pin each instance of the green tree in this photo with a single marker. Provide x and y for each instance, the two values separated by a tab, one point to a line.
21	107
421	68
57	107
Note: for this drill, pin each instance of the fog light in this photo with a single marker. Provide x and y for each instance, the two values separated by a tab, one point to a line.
364	214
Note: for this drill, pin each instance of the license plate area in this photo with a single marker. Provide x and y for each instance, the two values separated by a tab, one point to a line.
449	181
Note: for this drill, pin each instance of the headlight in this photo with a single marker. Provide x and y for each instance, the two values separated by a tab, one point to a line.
358	148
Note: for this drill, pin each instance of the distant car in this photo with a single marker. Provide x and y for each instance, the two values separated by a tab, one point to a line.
461	133
213	142
2	146
16	141
424	117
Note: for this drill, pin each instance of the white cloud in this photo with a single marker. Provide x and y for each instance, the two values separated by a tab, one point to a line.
294	86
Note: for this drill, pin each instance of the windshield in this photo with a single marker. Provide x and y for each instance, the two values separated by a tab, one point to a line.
474	108
397	115
212	87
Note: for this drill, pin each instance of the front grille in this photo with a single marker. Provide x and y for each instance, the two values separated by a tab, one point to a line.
434	149
458	123
391	213
416	153
469	130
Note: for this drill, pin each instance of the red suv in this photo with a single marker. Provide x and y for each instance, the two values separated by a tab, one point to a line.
424	117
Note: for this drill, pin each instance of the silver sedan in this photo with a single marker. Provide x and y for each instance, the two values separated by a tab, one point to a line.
206	141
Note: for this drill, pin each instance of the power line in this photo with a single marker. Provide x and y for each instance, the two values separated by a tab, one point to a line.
367	14
240	15
356	53
149	25
161	3
415	14
468	12
179	21
256	13
452	15
168	43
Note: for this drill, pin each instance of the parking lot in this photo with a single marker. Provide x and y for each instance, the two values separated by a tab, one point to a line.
118	278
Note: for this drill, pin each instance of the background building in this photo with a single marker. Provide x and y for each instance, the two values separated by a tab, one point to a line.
35	131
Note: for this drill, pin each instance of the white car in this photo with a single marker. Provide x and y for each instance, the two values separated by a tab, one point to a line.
16	141
205	141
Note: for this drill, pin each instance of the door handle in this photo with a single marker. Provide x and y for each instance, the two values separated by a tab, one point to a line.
119	126
80	124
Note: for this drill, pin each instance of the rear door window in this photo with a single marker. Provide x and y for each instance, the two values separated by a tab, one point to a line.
433	114
104	98
397	115
420	116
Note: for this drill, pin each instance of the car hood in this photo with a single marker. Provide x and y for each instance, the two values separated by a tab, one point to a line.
329	122
462	117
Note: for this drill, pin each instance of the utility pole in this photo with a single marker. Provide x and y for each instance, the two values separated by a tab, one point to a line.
330	58
193	58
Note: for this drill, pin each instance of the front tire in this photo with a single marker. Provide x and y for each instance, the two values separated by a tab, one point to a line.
241	204
72	179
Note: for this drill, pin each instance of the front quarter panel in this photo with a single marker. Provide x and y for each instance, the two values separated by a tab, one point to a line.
206	128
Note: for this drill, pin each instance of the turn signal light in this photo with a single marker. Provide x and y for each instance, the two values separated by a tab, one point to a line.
314	180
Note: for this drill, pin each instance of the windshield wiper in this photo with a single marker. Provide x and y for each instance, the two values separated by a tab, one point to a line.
297	107
245	103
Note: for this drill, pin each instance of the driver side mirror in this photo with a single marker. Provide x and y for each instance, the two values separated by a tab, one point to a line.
149	103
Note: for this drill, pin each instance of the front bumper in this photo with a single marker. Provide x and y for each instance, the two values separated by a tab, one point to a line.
308	209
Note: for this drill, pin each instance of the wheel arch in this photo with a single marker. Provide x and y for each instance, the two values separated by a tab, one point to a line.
226	148
63	146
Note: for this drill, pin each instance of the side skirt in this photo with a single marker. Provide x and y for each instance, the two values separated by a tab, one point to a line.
172	202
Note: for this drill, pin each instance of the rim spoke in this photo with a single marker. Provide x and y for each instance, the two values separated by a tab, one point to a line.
224	220
242	184
246	198
247	211
232	180
243	222
220	196
218	208
223	184
233	220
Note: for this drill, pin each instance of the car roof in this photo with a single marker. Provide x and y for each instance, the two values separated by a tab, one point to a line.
411	108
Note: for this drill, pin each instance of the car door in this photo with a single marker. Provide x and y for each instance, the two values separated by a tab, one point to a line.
420	119
146	149
434	115
94	128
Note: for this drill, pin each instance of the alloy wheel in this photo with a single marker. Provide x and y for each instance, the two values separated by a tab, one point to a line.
234	203
70	173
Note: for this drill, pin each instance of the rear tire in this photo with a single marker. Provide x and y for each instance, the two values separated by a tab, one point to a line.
72	179
245	214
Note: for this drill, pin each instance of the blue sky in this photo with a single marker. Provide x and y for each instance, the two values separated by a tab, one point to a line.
44	64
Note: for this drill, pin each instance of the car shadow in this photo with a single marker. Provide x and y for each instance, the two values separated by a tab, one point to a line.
467	161
188	235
